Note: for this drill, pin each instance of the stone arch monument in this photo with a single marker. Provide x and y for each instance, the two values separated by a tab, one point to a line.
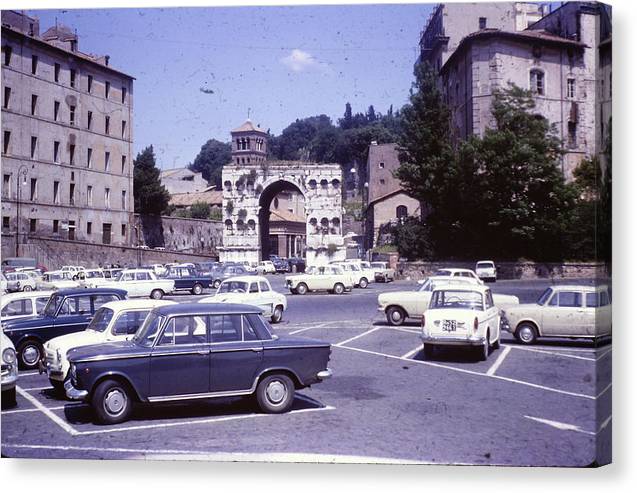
250	183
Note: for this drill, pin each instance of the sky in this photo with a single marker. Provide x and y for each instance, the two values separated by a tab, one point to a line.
200	71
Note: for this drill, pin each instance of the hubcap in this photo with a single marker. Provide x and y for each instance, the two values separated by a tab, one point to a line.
276	392
114	401
395	315
526	334
30	355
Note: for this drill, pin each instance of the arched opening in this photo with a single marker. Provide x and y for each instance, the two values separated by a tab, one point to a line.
282	229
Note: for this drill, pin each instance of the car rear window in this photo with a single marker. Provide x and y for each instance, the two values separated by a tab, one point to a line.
18	308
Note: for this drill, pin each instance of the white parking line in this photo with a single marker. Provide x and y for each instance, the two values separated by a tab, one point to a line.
605	390
56	408
57	420
409	354
33	389
561	426
470	372
26	373
553	353
358	336
499	361
604	354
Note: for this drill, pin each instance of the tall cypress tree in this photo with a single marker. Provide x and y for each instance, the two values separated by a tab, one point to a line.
150	195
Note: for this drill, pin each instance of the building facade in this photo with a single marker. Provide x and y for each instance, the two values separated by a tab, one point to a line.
182	180
67	120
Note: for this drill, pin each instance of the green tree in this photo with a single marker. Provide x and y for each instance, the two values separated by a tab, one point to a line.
150	195
605	209
200	210
412	239
211	159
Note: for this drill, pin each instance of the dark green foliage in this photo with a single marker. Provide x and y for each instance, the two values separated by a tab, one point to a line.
150	195
200	210
412	239
211	159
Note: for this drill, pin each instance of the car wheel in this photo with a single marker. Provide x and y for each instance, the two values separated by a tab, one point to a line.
363	283
293	291
216	284
526	333
339	288
27	288
9	398
496	344
157	294
112	402
277	315
29	353
428	350
275	393
395	315
301	288
484	350
197	289
58	387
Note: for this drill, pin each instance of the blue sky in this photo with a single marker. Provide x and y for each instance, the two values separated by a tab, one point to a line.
281	62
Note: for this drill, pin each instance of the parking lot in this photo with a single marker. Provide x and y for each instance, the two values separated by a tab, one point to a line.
548	404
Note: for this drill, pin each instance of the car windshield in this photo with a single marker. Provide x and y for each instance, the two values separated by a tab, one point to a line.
544	296
52	306
378	265
443	272
233	287
484	265
425	286
147	333
100	321
311	270
448	298
91	274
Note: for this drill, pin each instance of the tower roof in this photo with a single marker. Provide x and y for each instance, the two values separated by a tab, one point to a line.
248	126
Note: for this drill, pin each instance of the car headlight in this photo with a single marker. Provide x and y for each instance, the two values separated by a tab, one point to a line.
8	356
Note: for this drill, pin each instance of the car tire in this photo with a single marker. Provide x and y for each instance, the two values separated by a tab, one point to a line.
395	315
112	402
27	288
293	291
301	288
216	284
58	388
363	283
496	344
338	288
9	398
277	315
156	294
483	351
29	354
275	393
197	289
427	350
526	333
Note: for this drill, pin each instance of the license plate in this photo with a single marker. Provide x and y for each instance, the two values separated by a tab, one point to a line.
449	325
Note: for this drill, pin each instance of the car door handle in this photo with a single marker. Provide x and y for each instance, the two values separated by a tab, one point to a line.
257	349
204	352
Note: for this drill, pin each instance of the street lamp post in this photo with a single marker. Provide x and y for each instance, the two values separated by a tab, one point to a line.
22	172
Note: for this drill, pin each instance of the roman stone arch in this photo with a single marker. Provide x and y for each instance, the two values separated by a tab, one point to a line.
248	192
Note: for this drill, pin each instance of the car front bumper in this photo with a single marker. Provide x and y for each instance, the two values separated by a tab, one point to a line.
468	340
73	393
9	376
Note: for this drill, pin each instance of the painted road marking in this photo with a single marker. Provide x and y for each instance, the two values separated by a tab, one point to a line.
410	354
33	389
357	337
471	372
604	354
565	426
499	361
553	353
55	408
605	390
49	414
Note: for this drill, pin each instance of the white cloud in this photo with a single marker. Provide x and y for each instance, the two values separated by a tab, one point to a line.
299	60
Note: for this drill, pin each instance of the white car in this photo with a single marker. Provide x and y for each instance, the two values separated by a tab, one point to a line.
266	267
22	281
19	305
9	370
3	283
251	290
453	272
158	269
113	321
143	283
72	268
461	316
486	270
93	278
330	278
355	274
58	280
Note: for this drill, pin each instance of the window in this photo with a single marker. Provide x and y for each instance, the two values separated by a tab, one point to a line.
56	151
5	222
572	134
107	161
537	82
7	97
142	276
89	195
592	300
72	77
225	328
34	103
107	198
124	232
56	225
89	158
56	192
89	228
107	124
184	330
34	64
482	23
123	95
6	185
401	211
123	164
5	141
569	299
72	194
129	322
34	189
123	200
71	230
89	83
18	308
89	119
570	88
34	146
249	332
381	165
72	115
33	223
382	181
264	286
71	154
254	288
123	129
56	72
7	55
107	89
56	110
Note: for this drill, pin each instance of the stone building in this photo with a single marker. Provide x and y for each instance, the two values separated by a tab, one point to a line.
67	120
210	196
386	202
182	180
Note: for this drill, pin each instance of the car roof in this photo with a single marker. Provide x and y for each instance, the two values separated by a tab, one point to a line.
130	271
136	304
26	294
485	261
462	287
454	269
207	308
246	278
579	287
74	291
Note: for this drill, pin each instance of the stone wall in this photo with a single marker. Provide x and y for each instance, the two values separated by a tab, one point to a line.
197	236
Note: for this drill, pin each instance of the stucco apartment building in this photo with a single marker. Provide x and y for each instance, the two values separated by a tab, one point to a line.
67	120
481	48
